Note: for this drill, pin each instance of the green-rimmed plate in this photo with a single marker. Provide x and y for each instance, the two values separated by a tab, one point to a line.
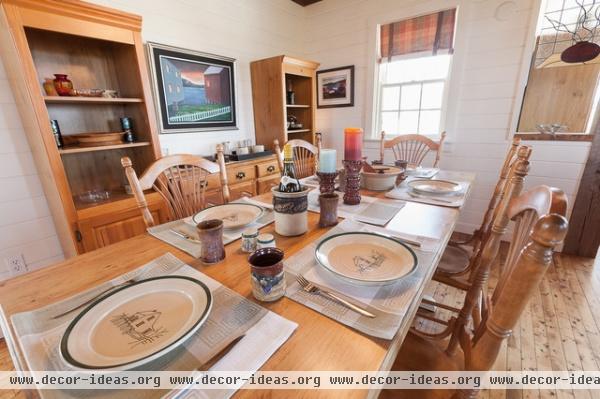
366	258
233	215
136	324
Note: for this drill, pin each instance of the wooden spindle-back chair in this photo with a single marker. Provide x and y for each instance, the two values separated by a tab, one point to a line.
412	148
179	179
458	260
490	248
306	156
537	232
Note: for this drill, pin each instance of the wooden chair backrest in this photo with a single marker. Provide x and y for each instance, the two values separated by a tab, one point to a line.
537	232
179	179
527	270
412	148
306	156
515	154
482	261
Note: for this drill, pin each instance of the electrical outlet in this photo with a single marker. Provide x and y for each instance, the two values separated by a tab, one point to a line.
16	264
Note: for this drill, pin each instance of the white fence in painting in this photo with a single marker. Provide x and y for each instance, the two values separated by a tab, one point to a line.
198	116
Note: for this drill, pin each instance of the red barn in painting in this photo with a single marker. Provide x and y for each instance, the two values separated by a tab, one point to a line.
216	85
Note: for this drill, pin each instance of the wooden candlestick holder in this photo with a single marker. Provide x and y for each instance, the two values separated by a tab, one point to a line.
352	189
327	182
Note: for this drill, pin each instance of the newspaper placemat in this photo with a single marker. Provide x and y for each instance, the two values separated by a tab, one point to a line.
389	303
164	232
38	335
403	192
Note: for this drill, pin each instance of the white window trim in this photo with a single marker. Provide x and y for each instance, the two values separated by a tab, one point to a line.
372	75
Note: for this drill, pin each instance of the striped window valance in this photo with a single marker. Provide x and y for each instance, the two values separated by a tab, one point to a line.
429	34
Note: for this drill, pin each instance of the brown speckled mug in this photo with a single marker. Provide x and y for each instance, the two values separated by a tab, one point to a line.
212	248
266	274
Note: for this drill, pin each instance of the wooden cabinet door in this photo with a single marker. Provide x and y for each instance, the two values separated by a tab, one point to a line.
265	184
213	197
103	230
247	189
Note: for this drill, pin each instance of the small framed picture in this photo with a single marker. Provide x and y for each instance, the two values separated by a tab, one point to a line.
335	87
194	91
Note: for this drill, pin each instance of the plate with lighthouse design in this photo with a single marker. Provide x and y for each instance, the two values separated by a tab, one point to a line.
366	258
136	324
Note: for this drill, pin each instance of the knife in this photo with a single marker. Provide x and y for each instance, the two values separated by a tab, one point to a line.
219	355
185	236
430	198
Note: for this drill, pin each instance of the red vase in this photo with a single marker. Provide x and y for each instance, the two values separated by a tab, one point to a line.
63	86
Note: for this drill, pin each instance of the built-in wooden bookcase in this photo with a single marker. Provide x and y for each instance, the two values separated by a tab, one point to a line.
271	78
98	48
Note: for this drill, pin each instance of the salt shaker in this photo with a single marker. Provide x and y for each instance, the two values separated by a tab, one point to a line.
265	241
249	239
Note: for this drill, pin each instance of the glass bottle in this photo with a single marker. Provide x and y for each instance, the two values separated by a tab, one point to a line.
290	95
289	182
56	133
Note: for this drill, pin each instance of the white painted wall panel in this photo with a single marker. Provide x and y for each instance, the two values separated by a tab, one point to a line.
483	100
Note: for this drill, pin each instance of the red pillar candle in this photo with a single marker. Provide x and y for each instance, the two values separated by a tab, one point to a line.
353	141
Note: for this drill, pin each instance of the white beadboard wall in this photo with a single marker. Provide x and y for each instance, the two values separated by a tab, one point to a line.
26	225
242	29
491	51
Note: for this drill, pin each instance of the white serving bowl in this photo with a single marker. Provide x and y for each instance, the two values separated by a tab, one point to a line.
380	181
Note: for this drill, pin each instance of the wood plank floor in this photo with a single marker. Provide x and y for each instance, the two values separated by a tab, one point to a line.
560	329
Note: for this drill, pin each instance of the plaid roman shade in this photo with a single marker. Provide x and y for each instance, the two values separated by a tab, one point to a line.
425	34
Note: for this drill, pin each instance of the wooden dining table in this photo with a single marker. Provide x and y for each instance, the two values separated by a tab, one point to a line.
319	343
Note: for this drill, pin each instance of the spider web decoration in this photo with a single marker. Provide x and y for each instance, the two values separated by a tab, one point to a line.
566	23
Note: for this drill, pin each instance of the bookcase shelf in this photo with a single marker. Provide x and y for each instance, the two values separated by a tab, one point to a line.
91	100
98	48
76	149
270	79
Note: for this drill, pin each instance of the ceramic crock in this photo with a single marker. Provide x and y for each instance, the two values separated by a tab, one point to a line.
291	212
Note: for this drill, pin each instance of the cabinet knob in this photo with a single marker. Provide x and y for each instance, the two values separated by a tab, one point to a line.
271	169
240	175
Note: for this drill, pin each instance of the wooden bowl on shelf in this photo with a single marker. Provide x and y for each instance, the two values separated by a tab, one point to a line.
94	139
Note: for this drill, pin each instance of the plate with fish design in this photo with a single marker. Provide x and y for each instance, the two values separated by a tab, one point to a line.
234	215
366	258
136	324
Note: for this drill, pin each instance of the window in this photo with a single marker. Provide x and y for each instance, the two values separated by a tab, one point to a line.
412	95
413	73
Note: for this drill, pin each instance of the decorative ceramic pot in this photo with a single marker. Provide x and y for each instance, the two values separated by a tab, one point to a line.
291	212
63	86
266	274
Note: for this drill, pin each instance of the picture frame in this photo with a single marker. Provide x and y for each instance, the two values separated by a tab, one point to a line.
193	91
335	87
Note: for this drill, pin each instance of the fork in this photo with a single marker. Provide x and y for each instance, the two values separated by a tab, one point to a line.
313	289
132	280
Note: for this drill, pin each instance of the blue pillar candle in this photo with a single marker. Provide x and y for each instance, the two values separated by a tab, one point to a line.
327	161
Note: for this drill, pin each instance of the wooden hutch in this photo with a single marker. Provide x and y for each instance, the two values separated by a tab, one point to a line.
270	80
97	47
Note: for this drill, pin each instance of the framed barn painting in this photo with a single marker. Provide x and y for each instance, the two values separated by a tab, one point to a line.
335	87
193	91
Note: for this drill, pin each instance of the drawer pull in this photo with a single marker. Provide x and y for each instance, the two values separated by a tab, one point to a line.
240	175
271	169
